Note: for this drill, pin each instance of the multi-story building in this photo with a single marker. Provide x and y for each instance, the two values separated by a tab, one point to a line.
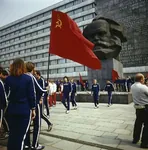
28	38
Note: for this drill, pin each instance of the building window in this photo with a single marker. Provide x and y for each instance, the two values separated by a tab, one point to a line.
17	39
22	52
61	61
53	62
88	17
46	30
45	55
39	56
47	21
39	64
33	49
86	8
69	5
79	69
46	46
79	19
40	31
22	44
40	24
53	71
46	38
69	61
61	70
33	57
17	46
40	47
33	41
78	10
70	69
34	33
34	26
78	2
23	30
45	63
70	13
47	13
27	50
22	37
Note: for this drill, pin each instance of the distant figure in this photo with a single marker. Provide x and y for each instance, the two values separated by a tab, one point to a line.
86	85
95	93
73	94
109	88
66	94
140	98
129	83
54	86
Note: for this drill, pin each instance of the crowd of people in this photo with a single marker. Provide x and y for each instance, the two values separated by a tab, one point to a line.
24	94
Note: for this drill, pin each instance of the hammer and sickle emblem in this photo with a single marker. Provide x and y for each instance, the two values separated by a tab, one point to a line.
59	23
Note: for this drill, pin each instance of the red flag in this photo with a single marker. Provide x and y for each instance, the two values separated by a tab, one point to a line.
115	75
81	80
67	41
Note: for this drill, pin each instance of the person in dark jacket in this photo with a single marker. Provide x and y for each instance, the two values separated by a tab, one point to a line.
30	67
42	85
109	88
21	107
73	94
66	94
95	93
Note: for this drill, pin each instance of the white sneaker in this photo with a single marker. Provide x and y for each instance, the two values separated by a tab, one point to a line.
108	105
67	111
75	107
95	107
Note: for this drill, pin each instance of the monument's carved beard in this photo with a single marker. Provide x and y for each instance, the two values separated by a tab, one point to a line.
107	38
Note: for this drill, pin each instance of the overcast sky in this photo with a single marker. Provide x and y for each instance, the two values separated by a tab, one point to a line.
11	10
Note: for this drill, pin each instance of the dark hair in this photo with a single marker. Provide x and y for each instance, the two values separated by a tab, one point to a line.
138	77
1	69
66	78
29	66
17	68
38	72
5	73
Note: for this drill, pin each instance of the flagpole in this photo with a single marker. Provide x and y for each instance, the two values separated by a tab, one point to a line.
48	66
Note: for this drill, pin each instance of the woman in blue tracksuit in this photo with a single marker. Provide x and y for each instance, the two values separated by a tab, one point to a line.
66	94
73	94
95	92
21	107
109	88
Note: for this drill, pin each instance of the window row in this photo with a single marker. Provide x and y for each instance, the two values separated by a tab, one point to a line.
25	51
87	17
28	35
45	38
68	70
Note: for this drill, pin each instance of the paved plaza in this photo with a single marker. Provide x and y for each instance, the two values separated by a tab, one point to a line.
90	129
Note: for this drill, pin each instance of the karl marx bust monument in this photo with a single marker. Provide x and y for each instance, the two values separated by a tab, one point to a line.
107	35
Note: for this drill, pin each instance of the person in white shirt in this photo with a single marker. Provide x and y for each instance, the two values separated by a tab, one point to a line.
54	93
140	97
50	92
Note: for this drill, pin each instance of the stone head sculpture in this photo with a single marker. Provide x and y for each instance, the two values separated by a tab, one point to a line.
107	35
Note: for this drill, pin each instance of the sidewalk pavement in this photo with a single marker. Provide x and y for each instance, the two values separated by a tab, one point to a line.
90	129
105	127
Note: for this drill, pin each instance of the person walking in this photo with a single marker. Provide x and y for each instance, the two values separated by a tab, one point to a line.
95	93
30	68
73	94
140	97
109	88
66	94
21	107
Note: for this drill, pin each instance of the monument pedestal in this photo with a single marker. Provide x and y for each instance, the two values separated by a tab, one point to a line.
106	72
